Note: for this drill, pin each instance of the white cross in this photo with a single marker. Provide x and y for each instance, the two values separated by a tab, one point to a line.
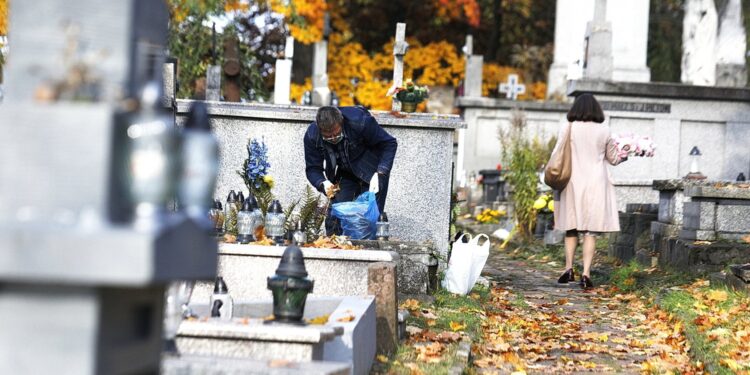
399	50
512	88
468	48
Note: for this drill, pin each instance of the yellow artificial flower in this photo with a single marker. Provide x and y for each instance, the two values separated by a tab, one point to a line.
540	203
551	205
268	180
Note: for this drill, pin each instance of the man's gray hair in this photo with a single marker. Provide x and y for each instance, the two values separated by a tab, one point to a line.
327	118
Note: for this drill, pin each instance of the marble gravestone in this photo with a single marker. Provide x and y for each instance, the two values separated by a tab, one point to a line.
283	79
731	47
699	43
597	59
629	30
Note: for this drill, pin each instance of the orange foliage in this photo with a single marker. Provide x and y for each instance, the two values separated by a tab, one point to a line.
305	18
3	17
453	9
433	64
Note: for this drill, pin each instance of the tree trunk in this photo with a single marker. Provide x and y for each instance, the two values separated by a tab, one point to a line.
497	20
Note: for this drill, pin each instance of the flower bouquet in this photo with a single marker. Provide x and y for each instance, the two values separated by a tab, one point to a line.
632	145
544	204
489	216
409	95
255	173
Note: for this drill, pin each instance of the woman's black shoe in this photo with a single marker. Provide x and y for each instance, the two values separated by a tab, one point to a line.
586	282
567	277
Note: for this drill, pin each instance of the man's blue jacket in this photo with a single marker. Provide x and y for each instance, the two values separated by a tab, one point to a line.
370	148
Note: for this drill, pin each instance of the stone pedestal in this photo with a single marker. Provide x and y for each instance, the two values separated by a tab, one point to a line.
416	267
381	280
635	232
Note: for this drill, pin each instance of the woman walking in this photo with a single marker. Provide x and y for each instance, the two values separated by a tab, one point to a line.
587	205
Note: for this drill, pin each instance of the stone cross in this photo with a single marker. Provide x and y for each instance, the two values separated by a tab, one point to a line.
468	49
321	92
399	50
512	88
472	86
213	73
213	83
282	83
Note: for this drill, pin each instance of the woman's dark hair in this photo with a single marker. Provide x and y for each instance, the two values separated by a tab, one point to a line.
586	108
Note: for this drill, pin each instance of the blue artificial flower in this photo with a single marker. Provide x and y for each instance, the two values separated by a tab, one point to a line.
257	164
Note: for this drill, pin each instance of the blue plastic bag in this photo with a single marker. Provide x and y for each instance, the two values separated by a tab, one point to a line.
359	217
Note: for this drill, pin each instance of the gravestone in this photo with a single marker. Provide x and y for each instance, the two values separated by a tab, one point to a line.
597	59
283	79
399	50
82	292
213	83
699	43
731	47
629	26
321	94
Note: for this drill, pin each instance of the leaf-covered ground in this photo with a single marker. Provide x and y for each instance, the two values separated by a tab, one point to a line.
635	321
538	326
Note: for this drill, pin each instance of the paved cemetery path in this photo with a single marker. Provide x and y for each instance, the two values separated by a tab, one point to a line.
535	325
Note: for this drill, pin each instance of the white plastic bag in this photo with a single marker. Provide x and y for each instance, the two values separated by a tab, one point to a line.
466	264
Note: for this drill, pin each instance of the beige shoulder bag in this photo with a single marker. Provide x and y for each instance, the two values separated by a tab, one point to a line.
558	169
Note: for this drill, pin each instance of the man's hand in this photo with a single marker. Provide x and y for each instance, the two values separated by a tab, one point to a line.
330	189
374	184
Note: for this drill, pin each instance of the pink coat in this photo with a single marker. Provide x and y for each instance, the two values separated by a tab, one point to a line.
588	201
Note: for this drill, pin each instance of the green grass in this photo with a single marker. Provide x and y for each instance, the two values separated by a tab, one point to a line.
680	304
466	310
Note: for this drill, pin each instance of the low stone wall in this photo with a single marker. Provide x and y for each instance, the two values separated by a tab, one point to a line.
698	256
699	223
716	212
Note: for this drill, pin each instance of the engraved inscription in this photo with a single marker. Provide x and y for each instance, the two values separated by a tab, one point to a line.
636	107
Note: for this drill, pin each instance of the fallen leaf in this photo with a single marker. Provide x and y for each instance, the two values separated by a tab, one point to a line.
345	318
382	359
427	314
562	301
717	295
413	330
410	304
456	326
448	336
319	320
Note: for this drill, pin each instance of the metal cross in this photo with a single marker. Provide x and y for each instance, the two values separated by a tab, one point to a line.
512	88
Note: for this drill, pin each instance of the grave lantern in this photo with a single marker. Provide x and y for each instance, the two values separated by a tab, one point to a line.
275	220
300	237
383	228
245	222
695	158
290	287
